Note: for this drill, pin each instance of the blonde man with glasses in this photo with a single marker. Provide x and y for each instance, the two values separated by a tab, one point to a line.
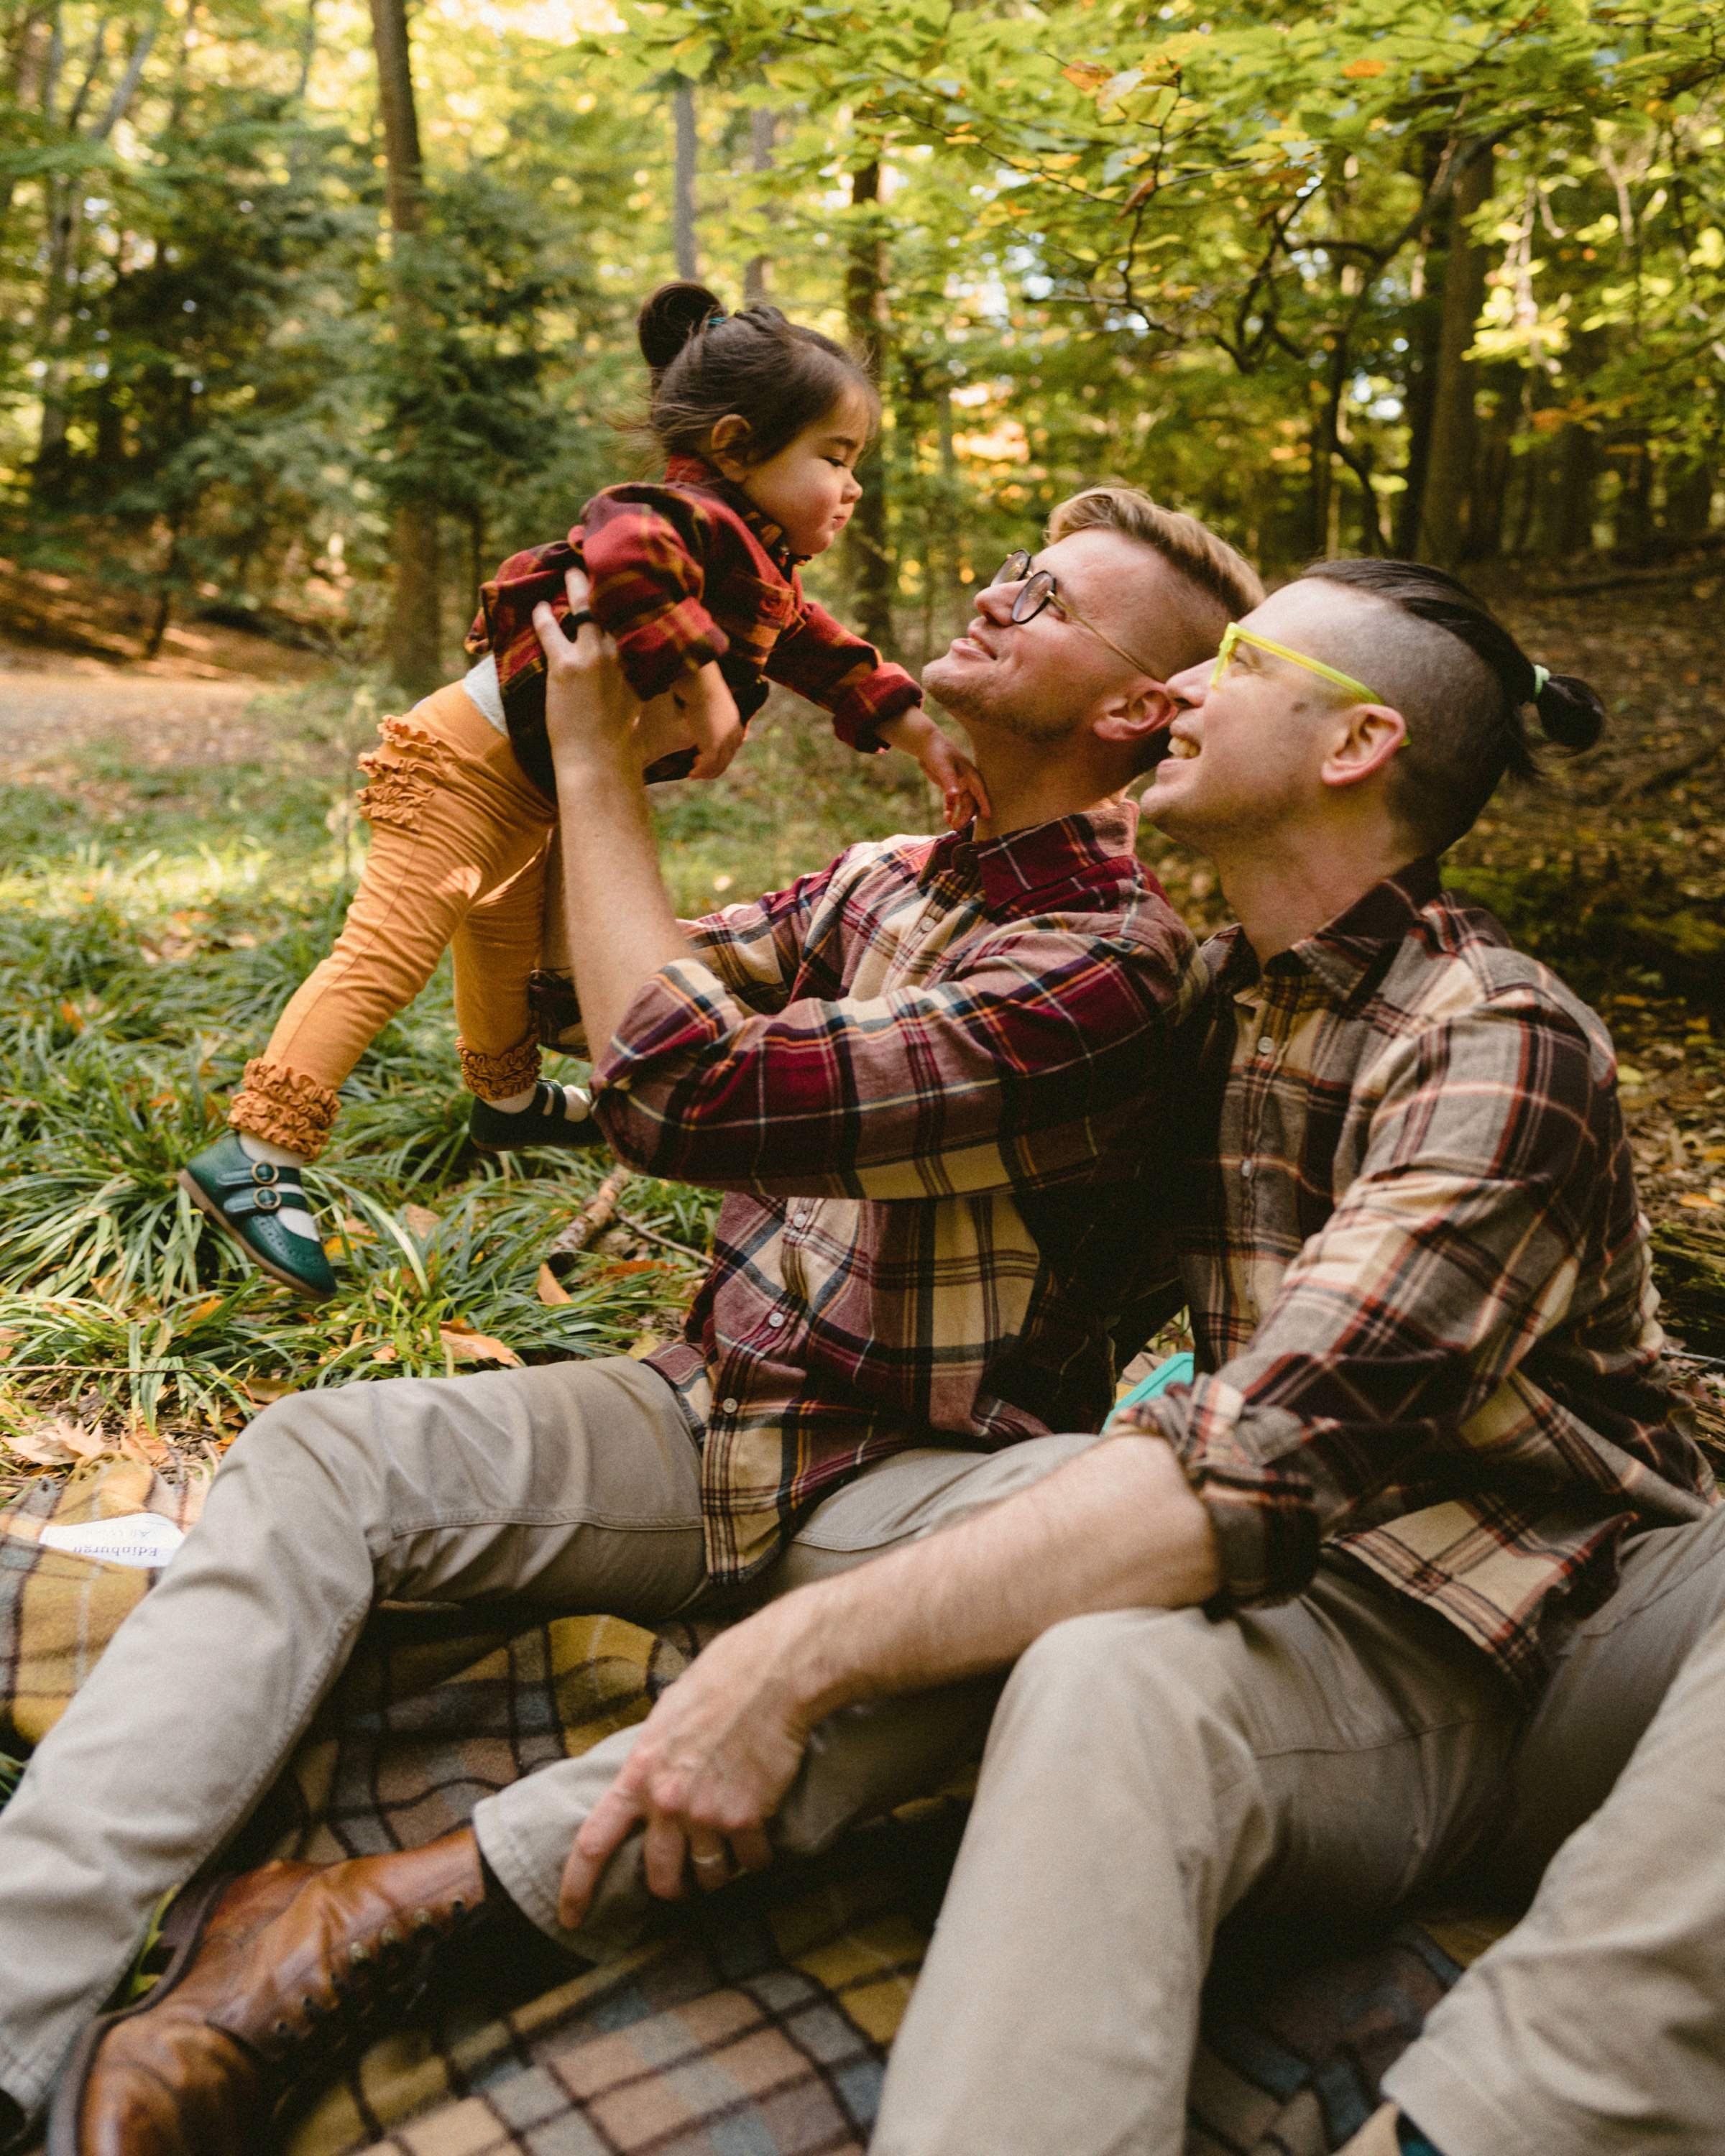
923	1078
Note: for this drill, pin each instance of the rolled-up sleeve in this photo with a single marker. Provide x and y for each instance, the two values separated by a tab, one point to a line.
1455	1251
999	1075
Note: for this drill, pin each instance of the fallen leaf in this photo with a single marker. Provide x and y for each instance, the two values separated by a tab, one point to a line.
55	1442
645	1344
358	1231
621	1268
148	1449
9	1338
262	1390
71	1013
39	1444
550	1289
1627	1075
199	1313
421	1221
467	1346
386	1354
1697	1203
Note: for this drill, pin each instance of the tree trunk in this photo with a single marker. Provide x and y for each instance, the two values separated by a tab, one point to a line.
865	540
1449	491
1632	531
415	638
763	125
1573	496
683	197
1689	502
1492	467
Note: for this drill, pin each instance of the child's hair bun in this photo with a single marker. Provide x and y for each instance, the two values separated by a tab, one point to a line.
1570	712
671	317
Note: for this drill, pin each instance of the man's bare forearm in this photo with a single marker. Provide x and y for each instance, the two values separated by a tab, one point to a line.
621	924
1117	1528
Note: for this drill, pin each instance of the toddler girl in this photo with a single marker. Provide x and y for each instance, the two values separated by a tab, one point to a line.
762	422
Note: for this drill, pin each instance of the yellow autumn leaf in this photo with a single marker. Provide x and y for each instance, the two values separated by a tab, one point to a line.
467	1346
1627	1075
1698	1203
550	1290
1364	70
1086	75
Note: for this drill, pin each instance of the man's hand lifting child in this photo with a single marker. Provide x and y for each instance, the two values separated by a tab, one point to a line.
962	793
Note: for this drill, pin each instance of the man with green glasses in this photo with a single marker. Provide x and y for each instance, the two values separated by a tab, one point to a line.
1277	1644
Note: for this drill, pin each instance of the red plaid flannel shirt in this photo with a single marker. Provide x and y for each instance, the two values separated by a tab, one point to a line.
682	574
1417	1271
925	1077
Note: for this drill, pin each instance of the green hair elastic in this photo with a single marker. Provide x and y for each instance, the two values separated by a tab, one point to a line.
1541	674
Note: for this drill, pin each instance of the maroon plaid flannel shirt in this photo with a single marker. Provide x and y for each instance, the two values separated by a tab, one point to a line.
928	1078
1418	1276
682	574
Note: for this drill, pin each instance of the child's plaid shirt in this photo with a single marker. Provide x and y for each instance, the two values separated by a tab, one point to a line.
1417	1271
682	574
927	1077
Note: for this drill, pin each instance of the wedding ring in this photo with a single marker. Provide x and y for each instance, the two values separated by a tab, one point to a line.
706	1863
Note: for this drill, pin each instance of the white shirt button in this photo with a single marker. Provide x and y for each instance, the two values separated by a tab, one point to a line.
1266	1043
775	1317
1246	1171
729	1407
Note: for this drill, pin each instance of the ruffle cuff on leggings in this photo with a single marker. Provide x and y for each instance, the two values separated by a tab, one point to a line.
285	1107
495	1077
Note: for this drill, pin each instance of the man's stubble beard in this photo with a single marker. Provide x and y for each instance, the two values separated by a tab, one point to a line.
972	707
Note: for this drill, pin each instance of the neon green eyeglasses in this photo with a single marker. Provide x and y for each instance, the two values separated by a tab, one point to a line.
1233	635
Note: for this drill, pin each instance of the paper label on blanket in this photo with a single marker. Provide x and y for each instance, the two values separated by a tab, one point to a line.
143	1539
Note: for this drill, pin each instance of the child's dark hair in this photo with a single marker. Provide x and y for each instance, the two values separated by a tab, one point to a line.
1463	695
773	373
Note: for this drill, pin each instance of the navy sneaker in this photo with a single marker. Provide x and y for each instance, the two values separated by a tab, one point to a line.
494	1130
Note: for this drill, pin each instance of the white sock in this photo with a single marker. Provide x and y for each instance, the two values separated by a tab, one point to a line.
576	1103
512	1104
294	1218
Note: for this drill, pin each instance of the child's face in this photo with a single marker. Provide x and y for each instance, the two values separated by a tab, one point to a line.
809	486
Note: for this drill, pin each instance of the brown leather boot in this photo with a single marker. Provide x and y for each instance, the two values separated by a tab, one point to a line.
274	1973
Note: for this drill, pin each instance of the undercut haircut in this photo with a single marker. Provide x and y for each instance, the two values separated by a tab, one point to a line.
1462	683
1218	585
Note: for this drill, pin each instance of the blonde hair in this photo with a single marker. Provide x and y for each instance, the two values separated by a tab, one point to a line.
1209	564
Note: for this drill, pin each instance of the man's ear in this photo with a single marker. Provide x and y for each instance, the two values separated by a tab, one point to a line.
1135	717
1368	736
726	439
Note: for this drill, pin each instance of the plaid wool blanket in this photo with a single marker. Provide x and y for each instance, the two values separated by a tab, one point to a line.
756	2023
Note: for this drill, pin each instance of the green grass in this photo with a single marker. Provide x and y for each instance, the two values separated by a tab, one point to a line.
151	923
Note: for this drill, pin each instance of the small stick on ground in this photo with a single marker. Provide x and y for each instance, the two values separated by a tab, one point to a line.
636	1227
593	1220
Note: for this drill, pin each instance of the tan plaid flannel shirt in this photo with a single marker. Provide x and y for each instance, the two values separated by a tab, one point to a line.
1418	1276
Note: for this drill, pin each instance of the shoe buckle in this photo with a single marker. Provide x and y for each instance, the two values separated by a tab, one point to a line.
267	1201
265	1170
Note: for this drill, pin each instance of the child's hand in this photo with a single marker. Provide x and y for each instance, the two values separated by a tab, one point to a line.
710	710
962	793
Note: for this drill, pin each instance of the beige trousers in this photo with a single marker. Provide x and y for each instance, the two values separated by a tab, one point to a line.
460	842
575	1485
1147	1774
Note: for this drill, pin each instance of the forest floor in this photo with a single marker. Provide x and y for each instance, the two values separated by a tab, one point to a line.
177	841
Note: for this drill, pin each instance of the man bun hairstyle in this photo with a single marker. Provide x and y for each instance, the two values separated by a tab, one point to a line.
1464	692
777	376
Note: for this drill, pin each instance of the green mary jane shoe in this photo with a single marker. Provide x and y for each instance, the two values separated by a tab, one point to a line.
243	1196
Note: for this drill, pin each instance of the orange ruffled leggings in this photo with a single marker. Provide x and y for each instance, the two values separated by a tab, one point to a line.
460	840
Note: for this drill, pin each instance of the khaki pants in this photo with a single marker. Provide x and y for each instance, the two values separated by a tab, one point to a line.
1146	1774
1597	2027
460	842
575	1485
